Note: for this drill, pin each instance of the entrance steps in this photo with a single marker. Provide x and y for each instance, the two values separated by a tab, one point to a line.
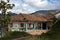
36	32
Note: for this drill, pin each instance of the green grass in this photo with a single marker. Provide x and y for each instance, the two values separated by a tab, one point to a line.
13	35
36	38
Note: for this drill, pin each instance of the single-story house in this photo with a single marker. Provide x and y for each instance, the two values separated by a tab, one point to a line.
27	22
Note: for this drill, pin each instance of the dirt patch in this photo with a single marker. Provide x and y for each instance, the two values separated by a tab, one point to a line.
36	32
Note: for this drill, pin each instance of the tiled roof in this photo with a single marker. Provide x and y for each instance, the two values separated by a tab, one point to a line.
23	17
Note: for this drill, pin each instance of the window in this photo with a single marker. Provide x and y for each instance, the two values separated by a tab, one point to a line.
22	24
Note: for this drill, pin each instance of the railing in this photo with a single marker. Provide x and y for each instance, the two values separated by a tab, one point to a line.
21	29
24	29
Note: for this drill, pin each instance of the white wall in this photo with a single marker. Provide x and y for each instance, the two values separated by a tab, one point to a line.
57	16
15	26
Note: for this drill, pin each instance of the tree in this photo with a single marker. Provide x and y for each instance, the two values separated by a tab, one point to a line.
6	16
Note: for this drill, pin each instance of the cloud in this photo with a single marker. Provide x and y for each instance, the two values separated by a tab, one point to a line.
37	3
29	6
45	4
24	8
21	7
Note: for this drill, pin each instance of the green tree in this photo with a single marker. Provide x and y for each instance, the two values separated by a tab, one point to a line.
6	16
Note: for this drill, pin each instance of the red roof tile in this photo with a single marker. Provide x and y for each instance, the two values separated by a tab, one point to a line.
23	17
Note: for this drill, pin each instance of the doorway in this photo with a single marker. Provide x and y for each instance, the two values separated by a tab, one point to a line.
44	26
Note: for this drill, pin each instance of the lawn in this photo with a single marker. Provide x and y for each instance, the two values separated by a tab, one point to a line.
13	35
36	38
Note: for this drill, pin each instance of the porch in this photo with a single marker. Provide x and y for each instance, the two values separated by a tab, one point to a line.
28	26
36	32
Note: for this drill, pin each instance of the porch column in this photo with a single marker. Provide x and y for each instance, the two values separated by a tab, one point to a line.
41	26
35	25
26	26
46	26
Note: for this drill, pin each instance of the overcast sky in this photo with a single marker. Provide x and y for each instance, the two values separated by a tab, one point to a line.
30	6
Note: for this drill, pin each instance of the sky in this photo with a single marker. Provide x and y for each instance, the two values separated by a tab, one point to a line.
30	6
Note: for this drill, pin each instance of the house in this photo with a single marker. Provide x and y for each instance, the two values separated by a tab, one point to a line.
25	22
57	14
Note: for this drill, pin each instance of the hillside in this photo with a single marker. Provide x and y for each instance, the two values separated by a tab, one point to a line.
12	14
44	11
